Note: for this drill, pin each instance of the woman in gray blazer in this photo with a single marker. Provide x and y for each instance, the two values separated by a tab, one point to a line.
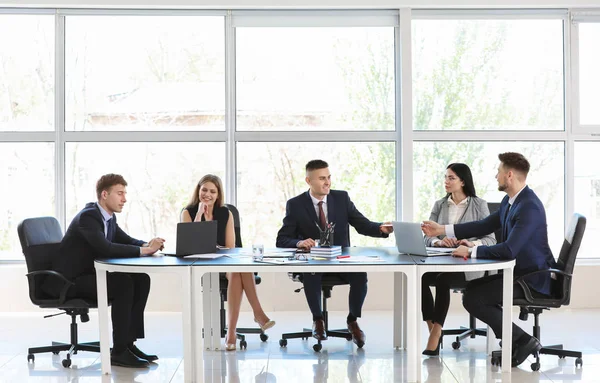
460	204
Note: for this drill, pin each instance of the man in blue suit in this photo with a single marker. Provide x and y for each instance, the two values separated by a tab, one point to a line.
522	219
317	207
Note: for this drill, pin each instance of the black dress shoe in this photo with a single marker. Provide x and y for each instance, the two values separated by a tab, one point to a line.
140	354
126	358
524	349
318	331
435	352
358	336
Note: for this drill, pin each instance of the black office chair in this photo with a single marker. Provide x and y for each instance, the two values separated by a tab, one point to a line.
562	277
223	283
472	331
40	239
327	284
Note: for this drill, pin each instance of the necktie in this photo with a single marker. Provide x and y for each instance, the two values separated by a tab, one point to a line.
110	230
322	219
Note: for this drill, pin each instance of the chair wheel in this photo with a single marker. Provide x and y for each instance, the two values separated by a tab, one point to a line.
282	342
561	357
578	362
455	345
243	345
496	361
55	352
66	363
317	347
264	337
30	358
535	366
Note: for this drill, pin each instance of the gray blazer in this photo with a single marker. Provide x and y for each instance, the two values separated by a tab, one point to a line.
477	209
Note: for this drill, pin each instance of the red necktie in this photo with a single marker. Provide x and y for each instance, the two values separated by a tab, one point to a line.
322	216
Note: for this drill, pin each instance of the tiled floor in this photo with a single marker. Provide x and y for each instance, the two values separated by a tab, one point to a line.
339	361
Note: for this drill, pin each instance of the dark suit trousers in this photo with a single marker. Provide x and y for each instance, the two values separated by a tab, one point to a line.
128	294
358	291
437	312
483	299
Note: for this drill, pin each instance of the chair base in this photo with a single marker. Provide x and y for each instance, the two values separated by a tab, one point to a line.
306	334
463	333
240	334
556	349
59	346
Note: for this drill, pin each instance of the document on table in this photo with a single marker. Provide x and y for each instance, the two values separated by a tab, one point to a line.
441	249
361	258
280	261
206	256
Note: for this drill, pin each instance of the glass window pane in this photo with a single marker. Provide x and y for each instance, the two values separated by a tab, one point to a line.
159	73
488	75
26	73
589	75
315	78
161	178
546	176
367	171
587	194
27	190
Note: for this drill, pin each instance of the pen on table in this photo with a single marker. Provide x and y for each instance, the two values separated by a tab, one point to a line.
342	256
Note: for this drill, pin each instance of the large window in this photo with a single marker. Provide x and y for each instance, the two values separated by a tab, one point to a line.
589	75
315	78
138	73
26	73
488	74
161	178
26	189
546	176
587	194
271	173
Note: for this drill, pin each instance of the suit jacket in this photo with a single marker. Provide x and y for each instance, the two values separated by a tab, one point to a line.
477	209
85	241
525	235
300	220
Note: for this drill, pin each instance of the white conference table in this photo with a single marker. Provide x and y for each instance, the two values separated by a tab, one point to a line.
200	318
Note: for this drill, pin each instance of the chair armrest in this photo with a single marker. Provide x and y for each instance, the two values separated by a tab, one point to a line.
67	283
520	280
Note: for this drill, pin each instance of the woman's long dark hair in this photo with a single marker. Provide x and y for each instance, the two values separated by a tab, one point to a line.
464	174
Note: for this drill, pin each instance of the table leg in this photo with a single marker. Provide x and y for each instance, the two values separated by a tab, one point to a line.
507	304
103	320
197	298
413	355
215	311
188	325
399	321
207	335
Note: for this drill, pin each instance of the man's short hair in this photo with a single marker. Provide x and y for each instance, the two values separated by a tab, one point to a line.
515	161
107	181
315	165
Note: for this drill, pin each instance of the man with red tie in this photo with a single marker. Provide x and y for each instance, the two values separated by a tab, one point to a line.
317	208
93	234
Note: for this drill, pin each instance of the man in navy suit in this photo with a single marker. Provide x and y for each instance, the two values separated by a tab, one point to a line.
522	219
319	206
93	234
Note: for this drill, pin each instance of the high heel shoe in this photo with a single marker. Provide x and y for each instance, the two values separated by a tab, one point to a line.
264	327
229	346
435	352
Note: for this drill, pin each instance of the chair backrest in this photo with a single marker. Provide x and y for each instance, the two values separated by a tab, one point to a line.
568	255
236	224
40	240
493	207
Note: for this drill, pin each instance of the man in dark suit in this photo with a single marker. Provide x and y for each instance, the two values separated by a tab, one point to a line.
93	234
319	206
522	219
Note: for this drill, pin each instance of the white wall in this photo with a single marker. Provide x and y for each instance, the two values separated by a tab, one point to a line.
276	292
313	4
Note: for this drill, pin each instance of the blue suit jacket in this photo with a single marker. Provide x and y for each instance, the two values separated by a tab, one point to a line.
300	220
525	237
85	241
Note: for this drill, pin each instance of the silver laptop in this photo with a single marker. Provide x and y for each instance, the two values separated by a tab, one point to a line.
409	240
